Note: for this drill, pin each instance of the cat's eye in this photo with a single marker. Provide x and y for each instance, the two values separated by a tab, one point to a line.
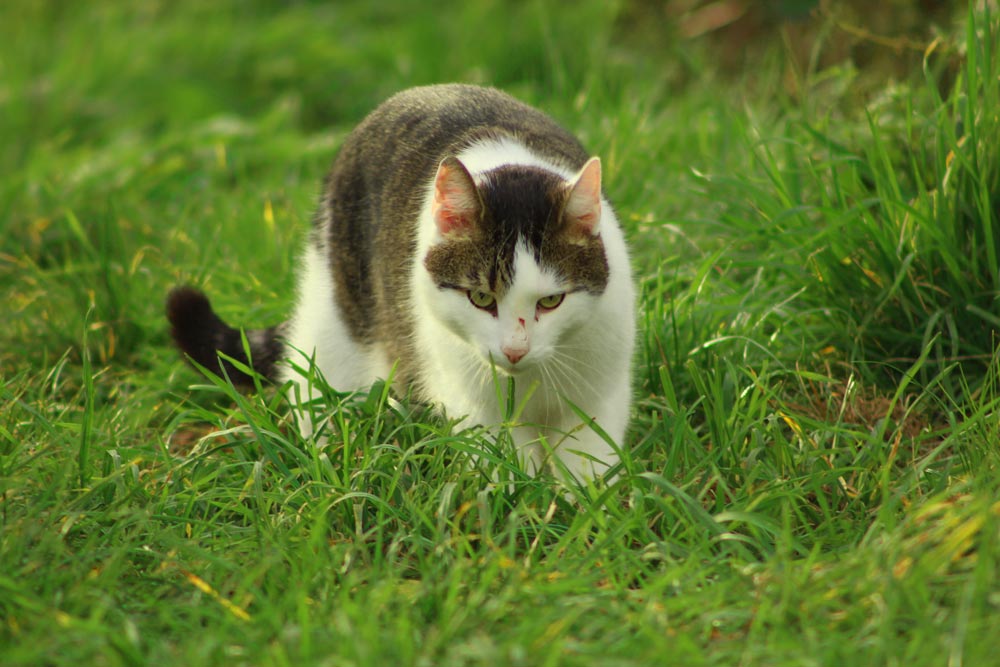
551	302
482	300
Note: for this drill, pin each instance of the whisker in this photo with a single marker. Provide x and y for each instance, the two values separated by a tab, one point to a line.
570	371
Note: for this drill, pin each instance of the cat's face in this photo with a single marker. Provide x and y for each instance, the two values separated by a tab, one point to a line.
527	325
517	259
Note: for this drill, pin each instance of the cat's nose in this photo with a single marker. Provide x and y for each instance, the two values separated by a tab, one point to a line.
514	354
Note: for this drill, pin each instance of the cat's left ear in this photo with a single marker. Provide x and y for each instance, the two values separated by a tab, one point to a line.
583	207
456	206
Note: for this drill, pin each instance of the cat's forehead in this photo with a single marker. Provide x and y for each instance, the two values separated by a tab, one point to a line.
473	266
522	209
556	264
532	278
521	204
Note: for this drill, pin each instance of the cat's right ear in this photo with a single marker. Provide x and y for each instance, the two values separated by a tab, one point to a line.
456	206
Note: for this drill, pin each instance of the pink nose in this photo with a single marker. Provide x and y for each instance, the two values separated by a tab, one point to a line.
514	355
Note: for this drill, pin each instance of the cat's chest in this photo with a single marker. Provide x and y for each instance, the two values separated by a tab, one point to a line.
535	396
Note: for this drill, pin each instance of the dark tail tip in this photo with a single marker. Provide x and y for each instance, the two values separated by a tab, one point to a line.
202	335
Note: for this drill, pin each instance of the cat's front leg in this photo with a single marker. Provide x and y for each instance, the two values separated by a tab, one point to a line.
521	441
582	452
583	455
528	449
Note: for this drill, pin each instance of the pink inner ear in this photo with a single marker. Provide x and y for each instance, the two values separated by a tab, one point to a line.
456	206
584	205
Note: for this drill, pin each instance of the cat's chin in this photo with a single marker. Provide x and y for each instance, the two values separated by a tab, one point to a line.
507	371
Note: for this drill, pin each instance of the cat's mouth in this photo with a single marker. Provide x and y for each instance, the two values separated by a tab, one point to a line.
507	368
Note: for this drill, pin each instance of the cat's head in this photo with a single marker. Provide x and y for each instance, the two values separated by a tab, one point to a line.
517	258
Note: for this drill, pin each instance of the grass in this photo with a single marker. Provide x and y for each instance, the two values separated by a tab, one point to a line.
811	473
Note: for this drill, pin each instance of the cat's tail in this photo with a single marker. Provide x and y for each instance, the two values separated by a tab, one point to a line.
202	335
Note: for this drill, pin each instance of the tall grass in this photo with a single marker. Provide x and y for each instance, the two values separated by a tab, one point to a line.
888	216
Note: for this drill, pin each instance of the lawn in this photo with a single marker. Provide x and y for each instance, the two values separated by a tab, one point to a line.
811	473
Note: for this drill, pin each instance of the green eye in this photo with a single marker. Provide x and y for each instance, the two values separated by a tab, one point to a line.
551	302
482	299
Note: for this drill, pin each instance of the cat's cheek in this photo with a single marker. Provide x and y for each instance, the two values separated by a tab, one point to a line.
453	316
576	312
473	327
491	342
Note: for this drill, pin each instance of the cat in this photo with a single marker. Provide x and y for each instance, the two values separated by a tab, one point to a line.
462	236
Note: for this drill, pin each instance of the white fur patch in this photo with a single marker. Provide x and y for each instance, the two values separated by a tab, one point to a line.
489	154
318	332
